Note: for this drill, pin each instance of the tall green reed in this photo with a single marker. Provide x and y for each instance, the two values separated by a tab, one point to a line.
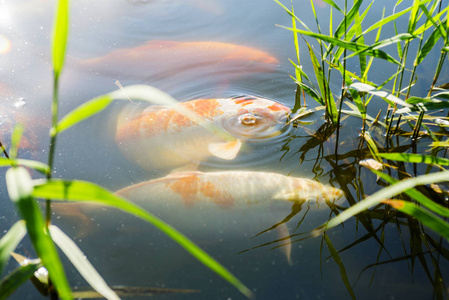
427	32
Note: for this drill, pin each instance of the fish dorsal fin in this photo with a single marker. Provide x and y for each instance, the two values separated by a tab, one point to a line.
228	150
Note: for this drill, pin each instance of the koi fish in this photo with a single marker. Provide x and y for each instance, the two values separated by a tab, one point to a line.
169	137
166	59
222	205
227	190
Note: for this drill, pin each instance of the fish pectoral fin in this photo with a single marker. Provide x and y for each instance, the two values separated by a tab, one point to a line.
227	150
284	234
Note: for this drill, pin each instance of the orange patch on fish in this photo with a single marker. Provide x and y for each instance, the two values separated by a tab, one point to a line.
240	100
277	107
191	186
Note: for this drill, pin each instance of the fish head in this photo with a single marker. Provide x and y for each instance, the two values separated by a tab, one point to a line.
255	118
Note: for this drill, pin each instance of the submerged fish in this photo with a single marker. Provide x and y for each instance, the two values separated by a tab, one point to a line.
166	59
228	205
168	137
227	190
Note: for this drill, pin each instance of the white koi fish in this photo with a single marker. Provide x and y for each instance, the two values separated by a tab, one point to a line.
228	190
170	137
228	205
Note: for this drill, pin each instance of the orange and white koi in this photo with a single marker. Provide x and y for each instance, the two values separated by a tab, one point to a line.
165	59
214	205
227	190
215	201
167	137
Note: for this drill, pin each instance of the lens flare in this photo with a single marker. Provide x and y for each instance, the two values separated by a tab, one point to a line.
5	45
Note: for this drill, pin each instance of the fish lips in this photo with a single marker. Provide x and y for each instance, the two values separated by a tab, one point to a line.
255	125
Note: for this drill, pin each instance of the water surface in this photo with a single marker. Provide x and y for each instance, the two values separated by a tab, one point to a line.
128	252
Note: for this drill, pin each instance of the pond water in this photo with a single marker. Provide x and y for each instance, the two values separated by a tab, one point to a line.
381	259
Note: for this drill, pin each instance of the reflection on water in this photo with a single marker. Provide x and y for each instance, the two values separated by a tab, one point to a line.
385	254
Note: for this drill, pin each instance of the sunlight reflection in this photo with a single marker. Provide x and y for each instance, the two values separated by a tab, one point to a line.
5	44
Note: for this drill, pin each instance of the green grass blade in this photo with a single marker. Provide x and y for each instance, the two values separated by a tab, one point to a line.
343	28
33	164
413	19
326	96
81	113
80	262
77	190
300	71
138	92
311	92
349	17
427	25
417	196
60	33
415	158
296	43
16	278
340	264
442	95
361	40
20	189
10	241
353	46
332	3
371	144
428	45
391	18
383	43
425	217
390	98
292	14
385	193
435	22
319	73
423	104
16	136
358	102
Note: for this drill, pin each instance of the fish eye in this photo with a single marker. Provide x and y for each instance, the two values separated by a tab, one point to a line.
248	119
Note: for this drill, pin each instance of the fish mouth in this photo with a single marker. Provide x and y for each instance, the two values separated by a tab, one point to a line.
255	125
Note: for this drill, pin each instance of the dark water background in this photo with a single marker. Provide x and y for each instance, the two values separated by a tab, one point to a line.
145	257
